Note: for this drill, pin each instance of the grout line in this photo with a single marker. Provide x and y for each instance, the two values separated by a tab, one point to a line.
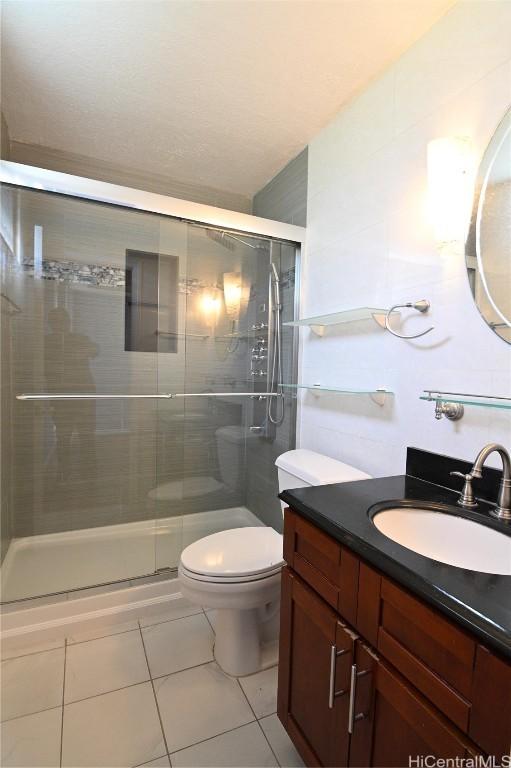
63	697
29	714
257	721
165	621
210	738
268	742
154	694
141	765
209	621
33	653
102	637
109	634
105	693
186	669
45	709
267	739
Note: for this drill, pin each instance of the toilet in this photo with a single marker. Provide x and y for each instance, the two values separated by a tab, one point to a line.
237	572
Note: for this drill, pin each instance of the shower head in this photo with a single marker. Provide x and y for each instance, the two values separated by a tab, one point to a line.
226	239
220	237
275	279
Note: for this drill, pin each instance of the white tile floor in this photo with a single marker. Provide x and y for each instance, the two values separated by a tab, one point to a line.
144	693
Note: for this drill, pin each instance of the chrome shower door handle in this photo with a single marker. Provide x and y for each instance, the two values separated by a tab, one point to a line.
164	396
332	693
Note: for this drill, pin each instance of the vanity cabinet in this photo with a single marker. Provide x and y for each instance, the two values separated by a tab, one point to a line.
369	674
321	649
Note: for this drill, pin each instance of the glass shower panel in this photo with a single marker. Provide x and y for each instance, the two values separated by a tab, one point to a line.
224	269
81	473
229	442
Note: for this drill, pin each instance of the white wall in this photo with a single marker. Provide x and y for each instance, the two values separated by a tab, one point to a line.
369	243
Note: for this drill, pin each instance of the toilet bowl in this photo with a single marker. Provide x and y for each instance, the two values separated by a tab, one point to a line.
237	572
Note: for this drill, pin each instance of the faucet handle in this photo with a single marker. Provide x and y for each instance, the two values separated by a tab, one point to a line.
466	498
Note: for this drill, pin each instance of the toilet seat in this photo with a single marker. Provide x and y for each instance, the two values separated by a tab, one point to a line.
230	579
234	556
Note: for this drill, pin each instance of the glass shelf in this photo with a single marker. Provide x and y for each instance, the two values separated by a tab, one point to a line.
320	322
378	395
479	401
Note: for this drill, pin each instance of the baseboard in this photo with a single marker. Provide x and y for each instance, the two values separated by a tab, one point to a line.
32	626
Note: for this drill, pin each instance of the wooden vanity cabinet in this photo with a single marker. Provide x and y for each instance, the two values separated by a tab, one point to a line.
310	685
394	679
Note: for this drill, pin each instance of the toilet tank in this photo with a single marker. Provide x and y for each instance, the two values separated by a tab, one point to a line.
301	467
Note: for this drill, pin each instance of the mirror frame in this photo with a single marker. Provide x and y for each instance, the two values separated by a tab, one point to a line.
472	246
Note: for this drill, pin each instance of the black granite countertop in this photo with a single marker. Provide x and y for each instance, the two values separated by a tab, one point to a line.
480	602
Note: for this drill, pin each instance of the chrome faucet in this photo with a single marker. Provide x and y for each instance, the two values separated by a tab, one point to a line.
503	509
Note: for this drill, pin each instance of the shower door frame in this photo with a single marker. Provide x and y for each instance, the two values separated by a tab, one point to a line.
40	179
67	185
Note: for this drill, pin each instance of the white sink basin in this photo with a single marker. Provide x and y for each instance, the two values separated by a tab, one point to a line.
447	538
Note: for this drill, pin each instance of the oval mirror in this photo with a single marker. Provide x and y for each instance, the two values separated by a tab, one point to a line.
488	253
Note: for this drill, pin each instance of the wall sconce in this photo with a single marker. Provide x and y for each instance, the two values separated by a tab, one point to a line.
210	305
450	181
232	294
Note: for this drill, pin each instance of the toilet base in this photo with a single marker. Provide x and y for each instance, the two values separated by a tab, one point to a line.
245	619
246	642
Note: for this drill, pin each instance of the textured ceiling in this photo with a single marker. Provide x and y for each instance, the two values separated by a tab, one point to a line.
215	92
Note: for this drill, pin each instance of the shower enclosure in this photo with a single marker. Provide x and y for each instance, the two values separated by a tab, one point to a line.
142	358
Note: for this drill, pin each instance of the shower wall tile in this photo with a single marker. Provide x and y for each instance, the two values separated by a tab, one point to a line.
284	198
138	178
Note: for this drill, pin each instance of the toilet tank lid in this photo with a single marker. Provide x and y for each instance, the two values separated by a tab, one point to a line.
317	469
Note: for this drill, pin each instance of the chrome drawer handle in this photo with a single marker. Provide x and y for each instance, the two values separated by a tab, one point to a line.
352	717
332	693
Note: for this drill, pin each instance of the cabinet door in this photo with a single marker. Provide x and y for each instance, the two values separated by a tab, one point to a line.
361	704
316	654
405	725
490	719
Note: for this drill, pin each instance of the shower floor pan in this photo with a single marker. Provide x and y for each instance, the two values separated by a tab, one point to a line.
61	562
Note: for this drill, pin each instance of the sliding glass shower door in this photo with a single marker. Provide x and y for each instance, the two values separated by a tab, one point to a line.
106	311
227	296
80	315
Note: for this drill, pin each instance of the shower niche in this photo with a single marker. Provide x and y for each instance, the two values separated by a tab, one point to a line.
151	302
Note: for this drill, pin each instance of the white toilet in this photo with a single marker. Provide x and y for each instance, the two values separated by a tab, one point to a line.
237	572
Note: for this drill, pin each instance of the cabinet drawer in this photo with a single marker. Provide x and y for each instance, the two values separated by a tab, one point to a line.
407	725
449	701
425	634
328	568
